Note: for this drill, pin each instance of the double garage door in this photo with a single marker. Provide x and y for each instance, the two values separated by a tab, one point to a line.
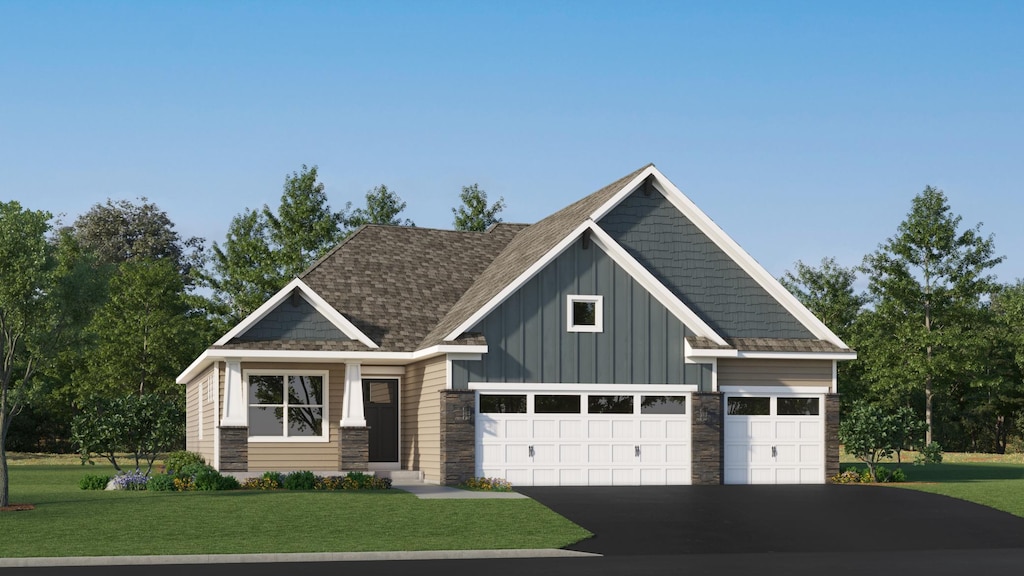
583	438
774	438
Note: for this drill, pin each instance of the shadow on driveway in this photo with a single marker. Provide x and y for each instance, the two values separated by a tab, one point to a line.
652	520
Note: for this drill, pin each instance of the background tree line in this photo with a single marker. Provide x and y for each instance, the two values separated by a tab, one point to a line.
116	304
934	331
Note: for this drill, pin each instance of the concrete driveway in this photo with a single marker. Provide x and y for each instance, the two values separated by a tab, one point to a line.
672	520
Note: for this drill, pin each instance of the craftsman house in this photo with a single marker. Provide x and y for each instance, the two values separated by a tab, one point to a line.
624	339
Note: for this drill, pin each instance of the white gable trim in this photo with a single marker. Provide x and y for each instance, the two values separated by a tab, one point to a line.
314	299
622	258
729	246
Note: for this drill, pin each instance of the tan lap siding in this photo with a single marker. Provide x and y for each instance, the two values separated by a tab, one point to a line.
737	372
192	412
313	456
421	417
206	445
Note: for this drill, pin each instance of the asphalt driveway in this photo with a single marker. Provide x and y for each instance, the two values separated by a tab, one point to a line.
670	520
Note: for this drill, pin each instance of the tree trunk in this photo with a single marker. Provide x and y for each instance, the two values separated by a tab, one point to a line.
928	406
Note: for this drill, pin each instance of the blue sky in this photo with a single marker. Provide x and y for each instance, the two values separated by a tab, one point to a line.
804	129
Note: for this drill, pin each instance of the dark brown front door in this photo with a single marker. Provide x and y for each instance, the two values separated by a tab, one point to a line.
380	397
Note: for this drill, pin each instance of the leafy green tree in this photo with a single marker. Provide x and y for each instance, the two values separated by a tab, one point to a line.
383	206
141	425
872	433
474	214
925	285
265	249
143	335
37	306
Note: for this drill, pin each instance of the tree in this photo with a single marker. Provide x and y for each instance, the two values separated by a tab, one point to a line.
36	307
474	215
382	207
142	336
141	425
926	286
264	249
121	231
870	433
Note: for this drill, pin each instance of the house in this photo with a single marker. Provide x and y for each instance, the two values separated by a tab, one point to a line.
625	339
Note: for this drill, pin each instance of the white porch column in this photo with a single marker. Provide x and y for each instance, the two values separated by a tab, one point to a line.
234	398
352	400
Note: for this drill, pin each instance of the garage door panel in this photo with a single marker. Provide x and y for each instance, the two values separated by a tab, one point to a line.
599	430
779	449
585	449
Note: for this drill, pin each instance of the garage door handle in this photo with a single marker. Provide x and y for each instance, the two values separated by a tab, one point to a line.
531	451
775	452
637	451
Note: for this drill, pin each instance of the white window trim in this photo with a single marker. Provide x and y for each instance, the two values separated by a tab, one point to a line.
598	302
325	421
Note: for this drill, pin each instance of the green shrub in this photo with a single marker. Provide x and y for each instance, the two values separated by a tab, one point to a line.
268	481
180	458
362	481
930	454
94	482
299	480
898	475
161	483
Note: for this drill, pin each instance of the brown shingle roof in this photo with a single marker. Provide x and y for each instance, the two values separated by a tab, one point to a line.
766	345
395	283
525	249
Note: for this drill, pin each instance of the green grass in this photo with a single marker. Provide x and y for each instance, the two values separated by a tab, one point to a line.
992	480
68	521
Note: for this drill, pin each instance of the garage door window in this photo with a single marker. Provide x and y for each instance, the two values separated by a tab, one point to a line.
610	404
797	407
503	403
556	404
749	406
663	405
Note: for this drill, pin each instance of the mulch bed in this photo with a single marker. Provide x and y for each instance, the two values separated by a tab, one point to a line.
16	507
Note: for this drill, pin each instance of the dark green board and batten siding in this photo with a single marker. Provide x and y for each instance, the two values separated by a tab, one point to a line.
693	267
528	340
293	319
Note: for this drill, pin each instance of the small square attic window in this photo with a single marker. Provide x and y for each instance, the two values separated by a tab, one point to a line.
585	313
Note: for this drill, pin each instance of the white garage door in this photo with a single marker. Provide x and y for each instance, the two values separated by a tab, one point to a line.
774	439
583	439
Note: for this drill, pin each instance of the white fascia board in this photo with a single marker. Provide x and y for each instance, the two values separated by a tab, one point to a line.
314	299
733	250
522	279
660	292
698	354
210	355
546	387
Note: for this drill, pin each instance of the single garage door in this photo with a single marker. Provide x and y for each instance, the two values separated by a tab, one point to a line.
774	438
583	439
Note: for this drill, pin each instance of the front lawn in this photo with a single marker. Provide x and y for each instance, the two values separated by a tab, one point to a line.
68	521
994	480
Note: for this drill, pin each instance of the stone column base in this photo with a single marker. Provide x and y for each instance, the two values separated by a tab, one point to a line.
234	448
354	448
831	435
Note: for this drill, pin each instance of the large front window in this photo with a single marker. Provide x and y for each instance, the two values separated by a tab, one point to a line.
287	405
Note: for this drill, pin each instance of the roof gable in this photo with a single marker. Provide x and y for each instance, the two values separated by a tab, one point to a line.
295	289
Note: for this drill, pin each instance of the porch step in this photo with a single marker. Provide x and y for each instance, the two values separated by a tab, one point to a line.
401	475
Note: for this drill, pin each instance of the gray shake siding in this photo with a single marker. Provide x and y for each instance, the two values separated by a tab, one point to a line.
294	319
528	341
704	277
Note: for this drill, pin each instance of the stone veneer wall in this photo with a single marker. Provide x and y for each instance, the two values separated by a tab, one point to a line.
354	448
458	436
234	448
706	437
831	435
